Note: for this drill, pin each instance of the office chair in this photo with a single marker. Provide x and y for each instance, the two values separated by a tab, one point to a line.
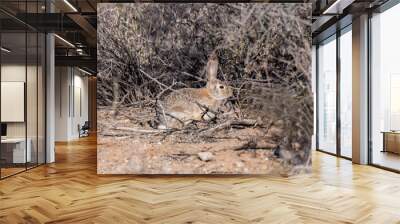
84	130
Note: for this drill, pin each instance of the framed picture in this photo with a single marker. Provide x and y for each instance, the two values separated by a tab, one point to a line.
204	88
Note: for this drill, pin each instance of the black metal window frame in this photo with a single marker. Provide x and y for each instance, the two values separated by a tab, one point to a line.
381	9
337	35
28	29
389	4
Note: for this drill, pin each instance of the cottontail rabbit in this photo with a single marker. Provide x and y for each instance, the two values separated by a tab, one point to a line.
183	106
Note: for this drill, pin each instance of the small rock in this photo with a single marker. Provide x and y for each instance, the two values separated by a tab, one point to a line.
205	156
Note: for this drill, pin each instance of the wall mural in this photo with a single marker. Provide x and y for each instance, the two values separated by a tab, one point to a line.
204	88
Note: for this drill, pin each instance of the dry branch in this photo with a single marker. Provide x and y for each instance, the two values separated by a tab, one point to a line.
252	144
146	51
145	131
229	124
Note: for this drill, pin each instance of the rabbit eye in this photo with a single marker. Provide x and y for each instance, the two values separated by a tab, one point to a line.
221	87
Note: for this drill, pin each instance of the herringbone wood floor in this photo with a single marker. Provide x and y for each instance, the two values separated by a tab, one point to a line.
70	191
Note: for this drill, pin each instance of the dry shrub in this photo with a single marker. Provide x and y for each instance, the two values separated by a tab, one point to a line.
146	50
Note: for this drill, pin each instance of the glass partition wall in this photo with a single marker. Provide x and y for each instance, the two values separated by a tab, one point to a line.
345	90
334	97
22	107
327	95
385	89
334	93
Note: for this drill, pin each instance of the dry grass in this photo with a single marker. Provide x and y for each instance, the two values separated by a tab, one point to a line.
147	50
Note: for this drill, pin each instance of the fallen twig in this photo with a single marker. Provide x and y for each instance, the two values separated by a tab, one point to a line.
180	156
252	144
114	134
230	123
139	130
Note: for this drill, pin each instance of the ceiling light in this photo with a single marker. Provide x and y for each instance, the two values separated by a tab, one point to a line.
5	50
70	5
331	7
338	6
64	40
79	51
84	71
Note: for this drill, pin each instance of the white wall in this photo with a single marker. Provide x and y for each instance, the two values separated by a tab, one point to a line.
62	81
12	73
33	126
80	105
13	101
17	73
71	102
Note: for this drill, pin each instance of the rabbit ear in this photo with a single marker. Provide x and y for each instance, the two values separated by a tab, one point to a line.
212	67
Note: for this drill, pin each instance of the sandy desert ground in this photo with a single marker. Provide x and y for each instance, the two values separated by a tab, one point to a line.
127	145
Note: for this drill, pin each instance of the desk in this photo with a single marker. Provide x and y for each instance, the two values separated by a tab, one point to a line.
15	148
391	141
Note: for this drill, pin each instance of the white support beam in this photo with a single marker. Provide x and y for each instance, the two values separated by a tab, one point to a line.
360	90
50	93
50	99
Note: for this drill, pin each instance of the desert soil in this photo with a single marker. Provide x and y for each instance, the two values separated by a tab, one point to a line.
122	150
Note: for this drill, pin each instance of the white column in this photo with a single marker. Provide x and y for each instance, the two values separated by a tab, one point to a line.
360	90
50	99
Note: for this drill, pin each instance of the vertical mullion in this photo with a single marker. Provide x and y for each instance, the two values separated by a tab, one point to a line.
0	92
37	90
316	110
44	79
26	86
45	95
369	90
338	81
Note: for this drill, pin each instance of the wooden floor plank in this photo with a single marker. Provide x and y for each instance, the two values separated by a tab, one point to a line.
70	191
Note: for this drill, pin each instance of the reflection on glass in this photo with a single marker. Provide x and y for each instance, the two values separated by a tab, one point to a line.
385	86
314	89
22	91
41	99
327	96
31	99
346	94
14	153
